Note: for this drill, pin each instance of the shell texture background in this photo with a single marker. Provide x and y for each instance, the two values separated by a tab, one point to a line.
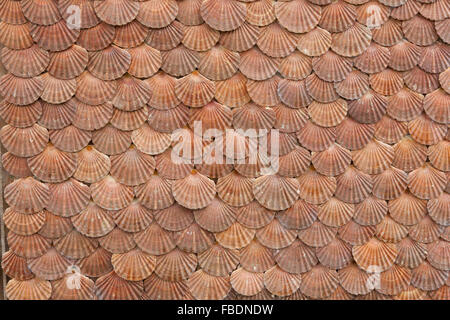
97	208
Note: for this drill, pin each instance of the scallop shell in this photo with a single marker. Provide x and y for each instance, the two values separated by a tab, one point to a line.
53	165
260	13
442	29
295	66
116	12
223	15
298	16
315	42
33	289
74	245
316	138
29	62
170	169
256	258
256	65
389	184
412	293
133	218
354	280
358	35
356	234
405	105
15	166
254	215
189	12
353	135
328	114
296	258
110	194
112	287
50	266
201	191
61	291
158	289
56	37
375	255
200	38
241	39
55	226
179	61
212	116
169	37
69	198
135	265
218	261
157	14
284	191
374	59
88	17
28	247
21	91
276	42
420	81
96	38
426	231
247	283
110	140
156	193
294	163
110	63
436	106
410	253
320	90
426	182
406	11
207	287
11	12
438	255
426	131
426	277
132	167
174	218
300	215
404	56
353	185
194	90
338	16
387	82
116	241
438	209
130	35
20	116
389	130
293	93
235	237
57	90
150	141
219	63
96	264
389	33
437	10
275	236
69	63
233	91
93	221
162	88
15	266
407	209
316	188
216	217
281	283
409	155
354	86
419	31
433	58
155	240
58	116
169	120
320	282
94	91
331	67
370	211
176	265
194	239
390	231
335	213
37	195
317	235
15	36
374	158
23	224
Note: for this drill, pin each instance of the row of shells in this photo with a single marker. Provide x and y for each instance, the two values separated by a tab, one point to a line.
99	210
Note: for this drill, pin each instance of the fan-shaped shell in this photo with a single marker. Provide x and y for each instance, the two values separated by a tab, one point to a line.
21	91
29	62
315	42
33	289
375	255
96	38
256	65
216	287
20	116
200	38
281	283
419	31
195	191
223	15
110	63
157	14
15	166
56	37
116	12
112	287
15	36
298	16
110	194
